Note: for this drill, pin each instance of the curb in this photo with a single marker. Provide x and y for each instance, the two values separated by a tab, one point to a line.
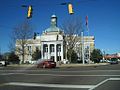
16	65
81	65
60	66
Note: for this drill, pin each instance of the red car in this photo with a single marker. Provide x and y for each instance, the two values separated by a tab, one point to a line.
46	64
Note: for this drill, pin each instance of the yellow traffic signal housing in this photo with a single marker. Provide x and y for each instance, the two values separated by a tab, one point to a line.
70	8
29	14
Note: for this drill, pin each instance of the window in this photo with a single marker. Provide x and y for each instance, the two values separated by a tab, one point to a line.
52	48
58	48
29	48
46	49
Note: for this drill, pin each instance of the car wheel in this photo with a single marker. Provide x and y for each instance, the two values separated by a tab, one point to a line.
37	66
44	66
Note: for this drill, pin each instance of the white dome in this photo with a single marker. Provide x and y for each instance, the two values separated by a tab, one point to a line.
53	16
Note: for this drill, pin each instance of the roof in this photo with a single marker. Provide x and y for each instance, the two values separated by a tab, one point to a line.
52	29
53	16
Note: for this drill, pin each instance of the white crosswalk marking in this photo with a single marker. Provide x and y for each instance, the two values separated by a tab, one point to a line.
92	88
49	85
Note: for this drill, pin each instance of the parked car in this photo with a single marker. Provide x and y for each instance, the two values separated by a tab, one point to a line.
33	62
114	61
3	63
103	61
46	64
65	61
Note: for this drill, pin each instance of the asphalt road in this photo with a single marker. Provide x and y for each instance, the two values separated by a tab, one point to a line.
105	77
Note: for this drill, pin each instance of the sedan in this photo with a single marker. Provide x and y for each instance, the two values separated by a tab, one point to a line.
113	61
46	64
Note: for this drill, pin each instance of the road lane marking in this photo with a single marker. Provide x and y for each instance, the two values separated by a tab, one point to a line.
10	73
90	87
104	81
48	85
49	70
99	84
114	78
60	75
71	75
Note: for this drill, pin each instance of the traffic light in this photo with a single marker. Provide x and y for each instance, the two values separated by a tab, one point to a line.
70	8
29	14
35	34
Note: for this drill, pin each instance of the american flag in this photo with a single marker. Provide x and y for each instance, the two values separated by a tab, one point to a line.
86	21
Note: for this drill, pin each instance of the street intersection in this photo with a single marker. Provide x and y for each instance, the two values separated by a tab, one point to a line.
106	77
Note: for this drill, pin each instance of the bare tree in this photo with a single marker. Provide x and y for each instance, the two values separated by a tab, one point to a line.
11	44
72	28
21	34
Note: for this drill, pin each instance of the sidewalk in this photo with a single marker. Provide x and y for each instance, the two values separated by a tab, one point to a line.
83	65
22	65
60	66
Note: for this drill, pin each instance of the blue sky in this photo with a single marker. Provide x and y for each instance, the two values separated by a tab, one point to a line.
103	18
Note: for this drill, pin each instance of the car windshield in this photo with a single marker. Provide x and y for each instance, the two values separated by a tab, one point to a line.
113	59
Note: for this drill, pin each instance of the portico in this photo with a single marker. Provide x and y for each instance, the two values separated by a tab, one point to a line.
52	51
52	42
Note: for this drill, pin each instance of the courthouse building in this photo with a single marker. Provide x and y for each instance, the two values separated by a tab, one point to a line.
52	44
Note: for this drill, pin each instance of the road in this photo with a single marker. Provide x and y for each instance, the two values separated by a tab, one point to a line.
105	77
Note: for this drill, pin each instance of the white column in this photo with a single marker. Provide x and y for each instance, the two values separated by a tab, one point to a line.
89	53
42	50
82	39
48	51
55	54
62	52
66	51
